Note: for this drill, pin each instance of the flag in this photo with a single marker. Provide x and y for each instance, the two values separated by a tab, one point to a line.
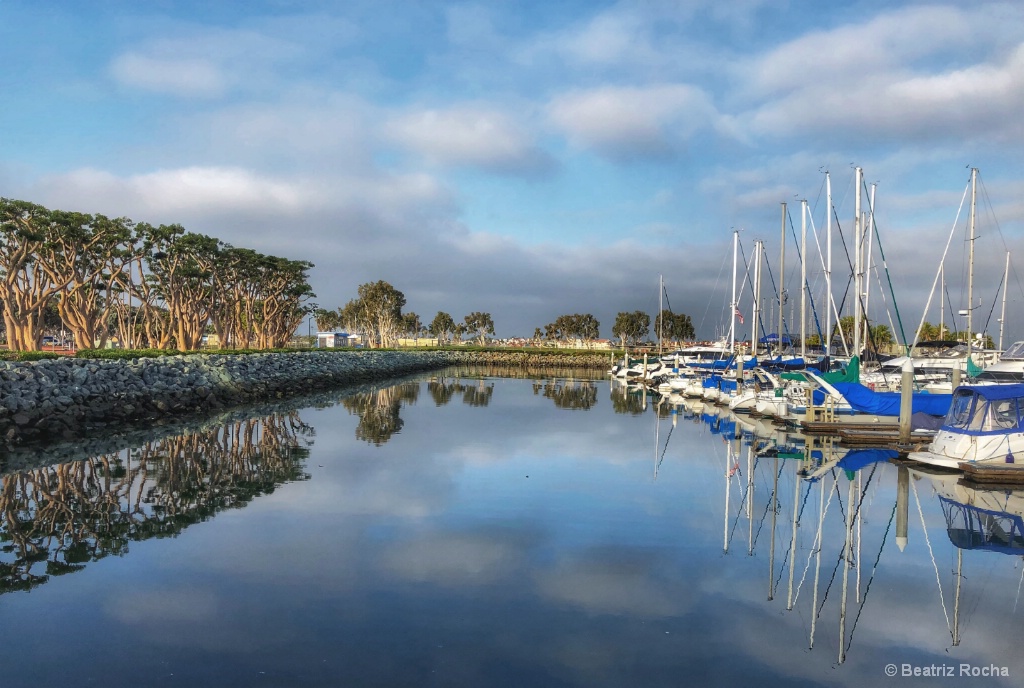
739	316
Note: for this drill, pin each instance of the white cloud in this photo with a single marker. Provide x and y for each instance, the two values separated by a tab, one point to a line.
183	190
193	61
902	75
633	122
469	136
174	76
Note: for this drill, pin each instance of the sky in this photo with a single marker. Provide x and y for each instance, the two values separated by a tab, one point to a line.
533	159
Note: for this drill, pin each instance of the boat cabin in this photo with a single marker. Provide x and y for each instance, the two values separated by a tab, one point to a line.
986	409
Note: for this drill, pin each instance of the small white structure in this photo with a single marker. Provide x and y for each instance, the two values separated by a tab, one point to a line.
335	340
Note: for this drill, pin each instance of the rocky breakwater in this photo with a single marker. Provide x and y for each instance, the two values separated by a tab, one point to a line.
66	398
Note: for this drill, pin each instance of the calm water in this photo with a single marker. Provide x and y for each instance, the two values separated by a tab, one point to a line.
490	531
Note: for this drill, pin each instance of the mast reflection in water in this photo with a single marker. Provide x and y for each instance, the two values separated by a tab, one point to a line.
502	527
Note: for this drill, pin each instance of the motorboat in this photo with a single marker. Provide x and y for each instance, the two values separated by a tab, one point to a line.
984	425
1010	367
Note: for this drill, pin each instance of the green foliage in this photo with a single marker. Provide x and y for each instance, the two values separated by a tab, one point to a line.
631	327
479	324
28	355
377	313
673	327
576	326
442	327
119	354
128	354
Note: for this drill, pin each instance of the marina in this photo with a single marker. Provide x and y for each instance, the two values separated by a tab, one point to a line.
414	534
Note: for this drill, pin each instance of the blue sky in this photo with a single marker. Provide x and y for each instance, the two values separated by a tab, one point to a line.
530	159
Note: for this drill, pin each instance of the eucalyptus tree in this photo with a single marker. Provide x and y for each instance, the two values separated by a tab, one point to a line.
631	327
180	269
91	297
479	325
442	327
26	287
584	327
411	325
673	327
282	299
377	313
327	320
45	254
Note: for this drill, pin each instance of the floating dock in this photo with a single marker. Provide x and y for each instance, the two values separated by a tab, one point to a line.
993	474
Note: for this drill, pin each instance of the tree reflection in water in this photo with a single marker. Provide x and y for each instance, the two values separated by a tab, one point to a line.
474	392
378	411
54	520
573	395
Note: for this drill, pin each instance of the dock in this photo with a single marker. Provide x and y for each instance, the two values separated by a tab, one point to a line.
876	435
992	475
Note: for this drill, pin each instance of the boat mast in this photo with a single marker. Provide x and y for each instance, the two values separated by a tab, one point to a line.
661	313
857	276
828	268
732	319
782	281
803	280
942	300
1002	316
870	231
970	261
758	249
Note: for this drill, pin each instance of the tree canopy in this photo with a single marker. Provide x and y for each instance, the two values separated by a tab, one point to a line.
159	287
673	327
631	327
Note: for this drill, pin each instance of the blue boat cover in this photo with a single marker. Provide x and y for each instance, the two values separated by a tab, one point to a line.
994	392
986	410
867	400
857	459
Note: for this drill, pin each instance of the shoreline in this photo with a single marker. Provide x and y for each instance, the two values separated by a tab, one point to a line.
54	401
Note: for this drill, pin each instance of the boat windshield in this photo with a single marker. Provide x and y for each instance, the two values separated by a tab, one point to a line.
977	414
1015	352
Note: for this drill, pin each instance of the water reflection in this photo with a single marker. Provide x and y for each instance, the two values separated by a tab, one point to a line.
813	526
572	395
506	544
57	519
628	399
378	411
